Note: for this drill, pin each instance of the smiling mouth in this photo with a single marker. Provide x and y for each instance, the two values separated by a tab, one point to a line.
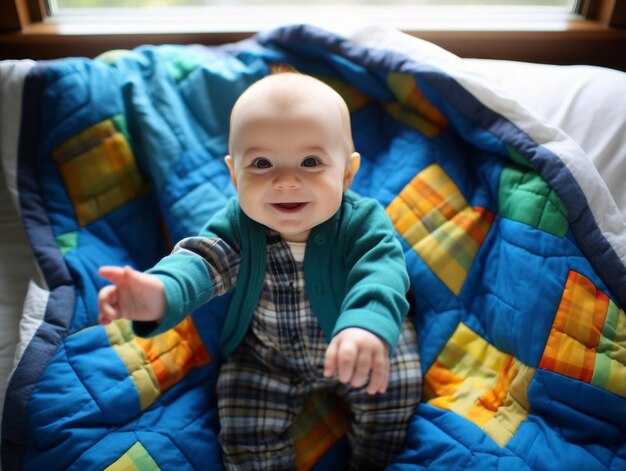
289	207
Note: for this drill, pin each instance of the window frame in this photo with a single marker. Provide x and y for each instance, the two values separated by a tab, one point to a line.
597	38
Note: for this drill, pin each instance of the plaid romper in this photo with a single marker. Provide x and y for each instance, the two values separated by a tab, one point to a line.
267	381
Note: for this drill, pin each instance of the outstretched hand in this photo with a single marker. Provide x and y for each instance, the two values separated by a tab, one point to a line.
132	295
357	356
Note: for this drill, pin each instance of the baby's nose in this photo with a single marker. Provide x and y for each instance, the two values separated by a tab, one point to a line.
286	181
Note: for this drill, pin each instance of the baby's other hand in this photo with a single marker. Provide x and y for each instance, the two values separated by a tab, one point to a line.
356	355
132	295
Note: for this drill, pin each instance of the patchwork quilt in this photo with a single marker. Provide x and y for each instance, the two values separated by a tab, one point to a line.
515	249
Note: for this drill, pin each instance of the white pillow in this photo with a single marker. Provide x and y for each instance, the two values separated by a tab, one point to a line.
587	102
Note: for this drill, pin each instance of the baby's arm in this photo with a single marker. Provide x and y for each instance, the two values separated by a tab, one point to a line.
357	356
132	295
375	304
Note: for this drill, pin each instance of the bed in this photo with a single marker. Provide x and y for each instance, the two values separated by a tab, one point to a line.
509	198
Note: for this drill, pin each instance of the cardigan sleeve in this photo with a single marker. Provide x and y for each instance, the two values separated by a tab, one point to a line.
198	269
377	280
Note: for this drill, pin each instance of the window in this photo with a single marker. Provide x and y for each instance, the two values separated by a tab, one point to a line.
165	16
554	31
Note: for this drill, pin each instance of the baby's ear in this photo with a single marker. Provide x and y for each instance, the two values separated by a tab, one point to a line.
231	169
352	167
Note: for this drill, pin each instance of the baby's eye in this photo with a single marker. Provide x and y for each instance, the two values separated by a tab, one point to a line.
261	162
311	161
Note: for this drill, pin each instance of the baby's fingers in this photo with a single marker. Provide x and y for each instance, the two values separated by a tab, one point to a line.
330	360
380	375
112	273
363	367
107	302
346	361
107	315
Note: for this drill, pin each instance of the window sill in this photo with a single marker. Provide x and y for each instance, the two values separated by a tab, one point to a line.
558	37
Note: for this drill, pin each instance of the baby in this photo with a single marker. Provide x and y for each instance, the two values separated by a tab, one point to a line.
319	284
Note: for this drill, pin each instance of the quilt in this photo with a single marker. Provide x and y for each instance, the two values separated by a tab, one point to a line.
515	249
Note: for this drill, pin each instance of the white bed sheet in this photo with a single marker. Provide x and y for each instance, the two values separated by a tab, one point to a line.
17	265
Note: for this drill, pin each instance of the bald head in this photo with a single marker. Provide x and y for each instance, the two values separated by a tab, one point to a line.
286	92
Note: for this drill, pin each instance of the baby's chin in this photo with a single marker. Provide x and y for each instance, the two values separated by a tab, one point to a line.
292	233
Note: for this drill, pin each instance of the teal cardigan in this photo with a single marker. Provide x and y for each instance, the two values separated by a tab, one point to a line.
354	271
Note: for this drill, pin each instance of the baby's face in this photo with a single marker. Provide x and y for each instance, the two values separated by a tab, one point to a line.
290	166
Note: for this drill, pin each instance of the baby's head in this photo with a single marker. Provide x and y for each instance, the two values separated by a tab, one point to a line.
285	91
291	154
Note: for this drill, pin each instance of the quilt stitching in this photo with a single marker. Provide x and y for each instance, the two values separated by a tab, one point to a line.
477	381
583	343
434	218
136	458
99	170
525	197
156	364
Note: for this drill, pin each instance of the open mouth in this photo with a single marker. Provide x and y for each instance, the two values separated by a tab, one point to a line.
289	207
